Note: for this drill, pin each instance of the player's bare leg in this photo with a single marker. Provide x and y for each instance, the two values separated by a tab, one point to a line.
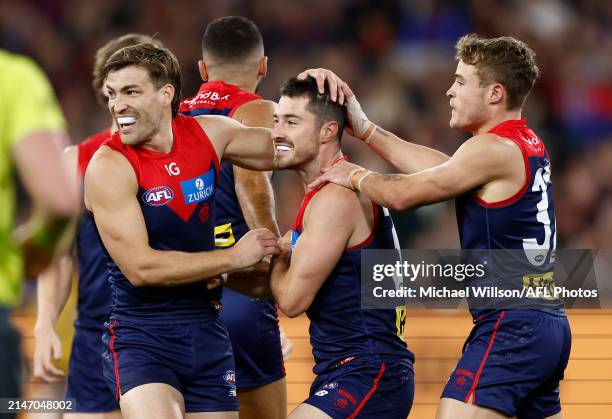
152	401
306	411
455	409
115	414
268	401
212	415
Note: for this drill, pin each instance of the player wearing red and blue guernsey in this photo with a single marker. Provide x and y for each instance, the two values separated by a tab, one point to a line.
232	66
85	381
363	366
513	359
151	191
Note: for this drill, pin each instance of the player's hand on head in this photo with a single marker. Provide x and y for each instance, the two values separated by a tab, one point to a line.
338	173
47	348
338	88
358	124
254	246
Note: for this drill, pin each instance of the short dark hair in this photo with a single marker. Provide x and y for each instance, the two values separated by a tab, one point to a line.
112	46
160	63
231	39
319	104
505	60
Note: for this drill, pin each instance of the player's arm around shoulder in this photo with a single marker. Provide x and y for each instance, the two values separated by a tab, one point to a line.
328	225
480	161
248	147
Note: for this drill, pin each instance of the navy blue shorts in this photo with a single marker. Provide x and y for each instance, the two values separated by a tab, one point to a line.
252	325
364	389
512	363
86	384
194	358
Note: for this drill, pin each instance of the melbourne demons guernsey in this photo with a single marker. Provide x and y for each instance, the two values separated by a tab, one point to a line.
219	98
340	330
94	291
175	193
522	225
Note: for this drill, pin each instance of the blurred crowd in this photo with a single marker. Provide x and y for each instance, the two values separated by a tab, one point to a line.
398	57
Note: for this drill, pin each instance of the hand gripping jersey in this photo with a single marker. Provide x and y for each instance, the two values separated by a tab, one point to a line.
175	193
94	290
340	330
523	224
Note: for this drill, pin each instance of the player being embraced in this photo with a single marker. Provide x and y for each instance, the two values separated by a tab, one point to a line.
363	366
501	178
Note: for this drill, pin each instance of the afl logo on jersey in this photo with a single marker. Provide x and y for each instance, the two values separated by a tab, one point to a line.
158	196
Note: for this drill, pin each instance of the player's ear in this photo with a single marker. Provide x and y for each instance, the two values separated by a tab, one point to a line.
496	94
263	66
168	94
328	132
203	70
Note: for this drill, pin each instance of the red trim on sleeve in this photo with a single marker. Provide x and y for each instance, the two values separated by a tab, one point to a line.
88	148
297	224
369	239
520	193
242	99
114	143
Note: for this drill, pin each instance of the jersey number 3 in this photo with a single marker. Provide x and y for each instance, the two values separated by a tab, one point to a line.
537	253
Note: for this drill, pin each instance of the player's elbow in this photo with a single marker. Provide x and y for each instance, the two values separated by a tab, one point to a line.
136	277
291	307
398	201
139	275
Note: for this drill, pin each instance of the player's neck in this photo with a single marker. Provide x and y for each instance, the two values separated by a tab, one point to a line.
497	119
312	170
243	83
160	140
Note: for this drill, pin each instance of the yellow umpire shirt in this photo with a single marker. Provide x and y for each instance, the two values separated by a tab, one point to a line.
27	105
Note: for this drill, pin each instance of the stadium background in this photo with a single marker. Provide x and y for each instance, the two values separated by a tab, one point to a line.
398	57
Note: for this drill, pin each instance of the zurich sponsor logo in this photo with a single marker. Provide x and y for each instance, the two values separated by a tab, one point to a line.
158	196
229	377
199	188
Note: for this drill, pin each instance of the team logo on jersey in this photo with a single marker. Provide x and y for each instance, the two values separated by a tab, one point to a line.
200	188
158	196
330	386
230	377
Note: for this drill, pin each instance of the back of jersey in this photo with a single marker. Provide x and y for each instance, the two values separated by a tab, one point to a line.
219	98
517	236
